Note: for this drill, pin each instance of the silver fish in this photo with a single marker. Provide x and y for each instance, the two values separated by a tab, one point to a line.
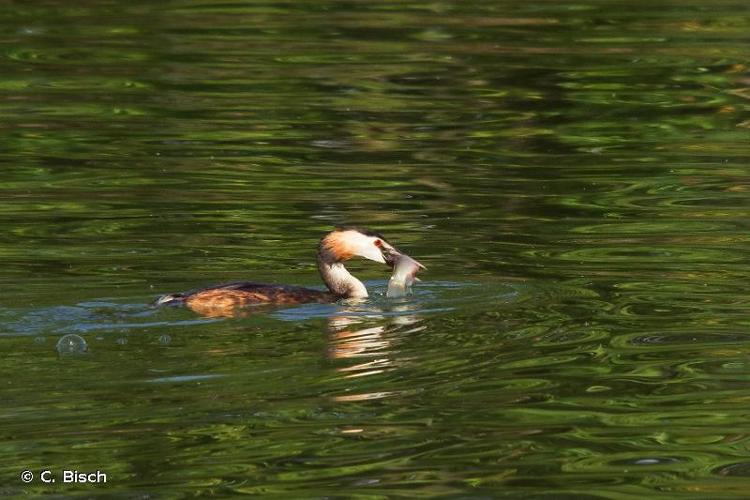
404	275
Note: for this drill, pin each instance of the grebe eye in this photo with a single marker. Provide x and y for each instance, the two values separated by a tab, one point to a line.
378	243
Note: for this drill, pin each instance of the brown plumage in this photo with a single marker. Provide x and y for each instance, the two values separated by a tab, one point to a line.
225	300
336	247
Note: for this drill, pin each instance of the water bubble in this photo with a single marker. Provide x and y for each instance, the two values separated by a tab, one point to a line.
122	341
31	31
165	339
71	344
741	469
40	340
647	461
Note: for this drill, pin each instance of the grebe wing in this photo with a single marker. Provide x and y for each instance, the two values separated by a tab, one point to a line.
226	299
270	293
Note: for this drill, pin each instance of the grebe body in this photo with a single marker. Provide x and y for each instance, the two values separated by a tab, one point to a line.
335	247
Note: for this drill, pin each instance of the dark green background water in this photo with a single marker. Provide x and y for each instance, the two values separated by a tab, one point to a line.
575	175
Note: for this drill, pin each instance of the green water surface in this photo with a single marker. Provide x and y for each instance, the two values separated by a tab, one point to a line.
575	175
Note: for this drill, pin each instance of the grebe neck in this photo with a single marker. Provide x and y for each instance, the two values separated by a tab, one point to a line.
339	280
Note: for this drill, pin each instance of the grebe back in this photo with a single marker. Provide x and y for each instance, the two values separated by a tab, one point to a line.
335	247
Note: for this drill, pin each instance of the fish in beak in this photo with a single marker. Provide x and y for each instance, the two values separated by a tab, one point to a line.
404	275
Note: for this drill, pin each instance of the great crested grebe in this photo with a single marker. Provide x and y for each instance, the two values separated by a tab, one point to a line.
335	247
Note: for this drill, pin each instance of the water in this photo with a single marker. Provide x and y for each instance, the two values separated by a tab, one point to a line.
575	177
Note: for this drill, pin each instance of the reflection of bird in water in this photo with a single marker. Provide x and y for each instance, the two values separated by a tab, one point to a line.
336	247
369	345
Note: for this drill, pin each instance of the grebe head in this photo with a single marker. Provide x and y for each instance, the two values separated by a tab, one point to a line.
346	242
343	244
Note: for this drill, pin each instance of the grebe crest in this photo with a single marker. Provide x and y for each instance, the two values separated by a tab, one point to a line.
343	243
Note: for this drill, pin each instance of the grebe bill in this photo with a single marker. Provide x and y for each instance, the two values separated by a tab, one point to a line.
335	247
